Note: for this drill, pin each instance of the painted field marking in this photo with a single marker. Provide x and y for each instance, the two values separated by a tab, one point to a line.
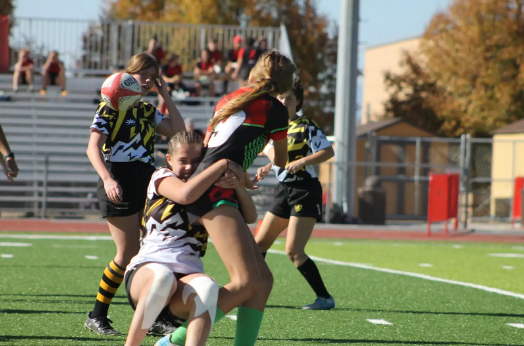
7	255
16	244
508	267
277	242
456	246
516	325
56	237
507	255
91	257
518	248
379	321
427	265
75	246
338	243
232	317
415	275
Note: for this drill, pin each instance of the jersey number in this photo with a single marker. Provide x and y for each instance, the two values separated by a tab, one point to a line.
224	130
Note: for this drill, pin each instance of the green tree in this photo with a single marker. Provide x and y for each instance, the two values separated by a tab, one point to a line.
470	73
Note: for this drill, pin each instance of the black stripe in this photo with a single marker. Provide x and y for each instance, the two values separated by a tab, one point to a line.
119	267
105	293
109	282
114	273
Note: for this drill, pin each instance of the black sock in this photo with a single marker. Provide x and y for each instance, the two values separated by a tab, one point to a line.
111	280
264	254
310	272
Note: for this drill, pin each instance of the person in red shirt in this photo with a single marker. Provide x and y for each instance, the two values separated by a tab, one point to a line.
155	49
232	58
53	72
215	54
205	74
247	58
24	70
244	121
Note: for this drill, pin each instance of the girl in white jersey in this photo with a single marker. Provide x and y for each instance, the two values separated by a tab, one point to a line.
167	276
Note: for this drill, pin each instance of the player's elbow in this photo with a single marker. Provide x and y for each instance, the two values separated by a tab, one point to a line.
329	153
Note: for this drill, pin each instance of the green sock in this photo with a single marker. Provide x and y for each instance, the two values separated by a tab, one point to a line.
178	337
248	326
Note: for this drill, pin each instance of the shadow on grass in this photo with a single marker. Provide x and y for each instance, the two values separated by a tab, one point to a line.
374	342
485	314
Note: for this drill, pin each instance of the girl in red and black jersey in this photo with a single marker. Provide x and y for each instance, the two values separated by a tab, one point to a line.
243	123
205	74
53	72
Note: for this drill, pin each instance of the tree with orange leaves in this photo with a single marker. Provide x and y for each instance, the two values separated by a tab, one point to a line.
469	76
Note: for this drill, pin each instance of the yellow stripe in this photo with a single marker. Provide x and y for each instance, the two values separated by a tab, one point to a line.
119	120
115	268
147	112
103	299
108	288
133	129
167	212
295	146
157	203
113	278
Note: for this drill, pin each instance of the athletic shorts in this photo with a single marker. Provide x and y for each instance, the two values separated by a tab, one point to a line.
214	197
165	314
52	78
301	198
133	178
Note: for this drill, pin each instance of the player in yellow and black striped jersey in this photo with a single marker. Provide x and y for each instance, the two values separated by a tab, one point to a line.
126	139
297	205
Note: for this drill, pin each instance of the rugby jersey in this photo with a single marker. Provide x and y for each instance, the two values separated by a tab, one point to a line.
242	136
168	238
130	134
304	138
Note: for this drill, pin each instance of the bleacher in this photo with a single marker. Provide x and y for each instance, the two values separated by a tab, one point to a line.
49	136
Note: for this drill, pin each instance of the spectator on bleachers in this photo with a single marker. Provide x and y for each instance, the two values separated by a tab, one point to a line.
262	46
232	58
24	70
53	73
155	49
172	72
215	55
7	160
190	127
247	58
205	74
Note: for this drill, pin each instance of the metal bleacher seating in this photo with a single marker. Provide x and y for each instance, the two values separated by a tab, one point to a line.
49	136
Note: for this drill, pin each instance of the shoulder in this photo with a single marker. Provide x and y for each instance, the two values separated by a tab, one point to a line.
161	173
104	110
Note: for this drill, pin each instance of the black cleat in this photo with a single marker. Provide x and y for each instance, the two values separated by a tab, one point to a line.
100	325
161	328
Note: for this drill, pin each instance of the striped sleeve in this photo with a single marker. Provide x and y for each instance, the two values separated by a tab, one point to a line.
102	120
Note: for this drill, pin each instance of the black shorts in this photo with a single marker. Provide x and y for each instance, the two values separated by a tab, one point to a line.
165	314
301	198
52	78
133	178
214	197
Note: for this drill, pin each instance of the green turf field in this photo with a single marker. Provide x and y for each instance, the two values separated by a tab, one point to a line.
47	288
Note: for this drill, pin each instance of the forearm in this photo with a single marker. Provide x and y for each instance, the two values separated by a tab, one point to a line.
246	205
94	155
4	146
175	118
195	187
318	157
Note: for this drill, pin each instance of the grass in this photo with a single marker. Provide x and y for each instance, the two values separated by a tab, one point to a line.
47	289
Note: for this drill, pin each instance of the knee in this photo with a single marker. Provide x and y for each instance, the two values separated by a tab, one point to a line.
249	285
295	255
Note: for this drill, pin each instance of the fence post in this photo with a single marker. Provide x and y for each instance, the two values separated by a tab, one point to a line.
328	194
44	193
513	160
113	42
467	160
418	153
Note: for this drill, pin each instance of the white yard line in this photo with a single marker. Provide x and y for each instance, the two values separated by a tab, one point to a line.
56	237
379	321
506	255
232	317
415	275
91	257
516	325
16	244
6	255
